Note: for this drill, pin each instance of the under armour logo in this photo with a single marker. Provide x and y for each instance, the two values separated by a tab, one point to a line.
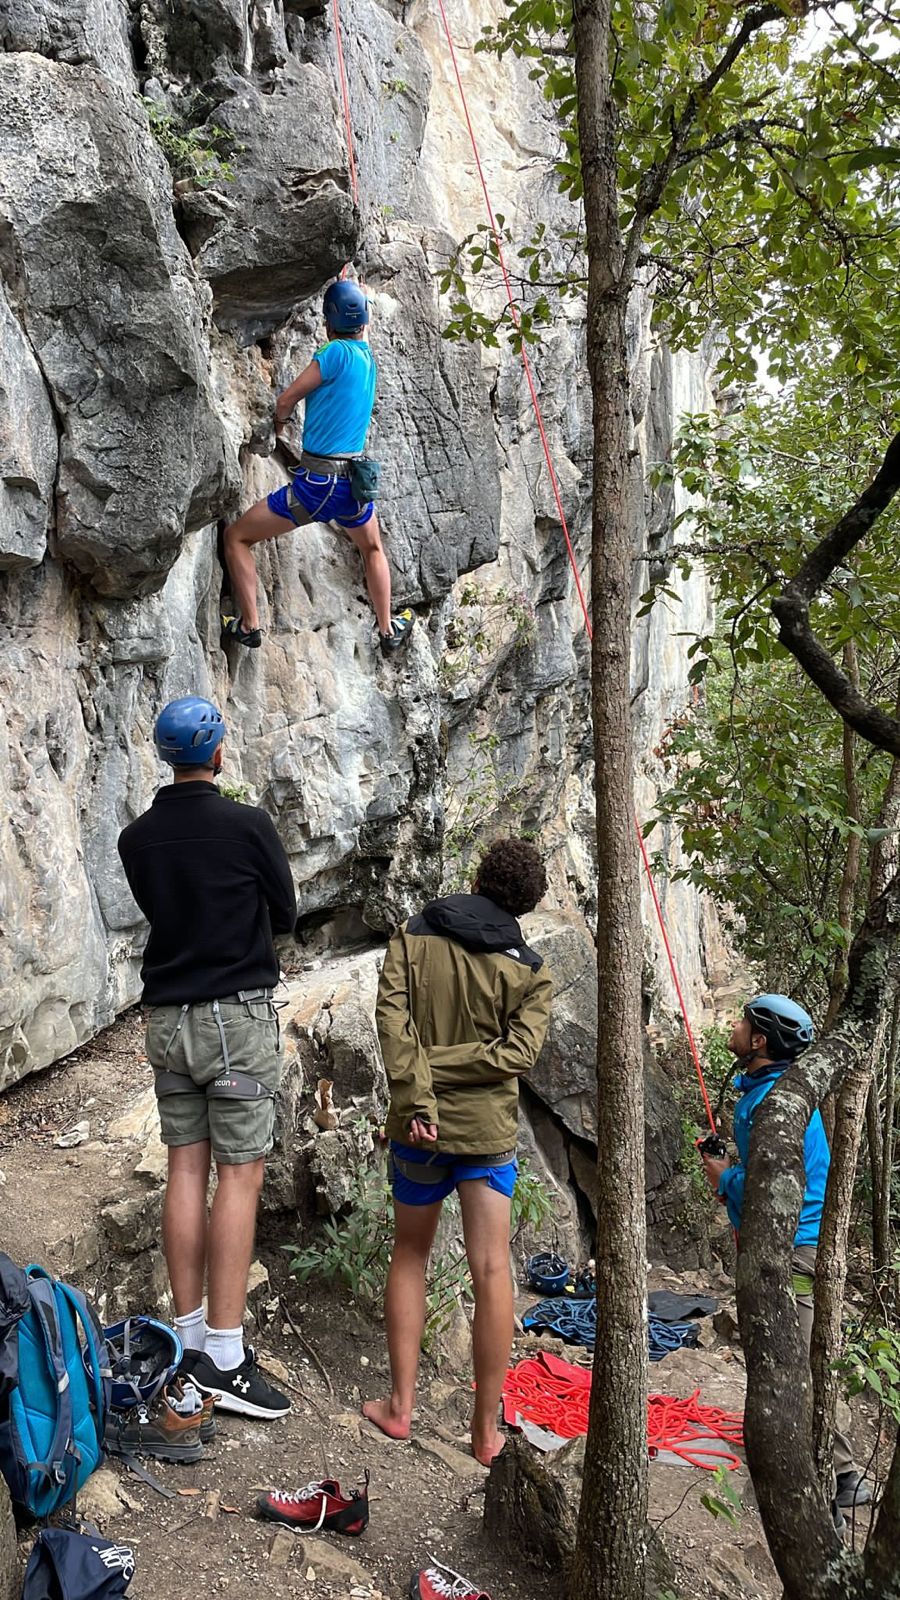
242	1384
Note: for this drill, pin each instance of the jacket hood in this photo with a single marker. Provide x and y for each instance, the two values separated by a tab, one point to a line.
474	921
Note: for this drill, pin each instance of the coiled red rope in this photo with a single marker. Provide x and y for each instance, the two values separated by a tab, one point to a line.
555	1395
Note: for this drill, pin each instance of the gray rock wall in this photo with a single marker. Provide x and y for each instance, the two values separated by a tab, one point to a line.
149	312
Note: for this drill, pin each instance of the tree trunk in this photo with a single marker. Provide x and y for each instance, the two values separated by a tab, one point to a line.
831	1263
882	1253
611	1550
850	874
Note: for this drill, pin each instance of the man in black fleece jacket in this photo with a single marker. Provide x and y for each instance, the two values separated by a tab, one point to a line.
214	883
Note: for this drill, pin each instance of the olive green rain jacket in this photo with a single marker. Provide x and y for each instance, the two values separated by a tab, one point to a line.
463	1006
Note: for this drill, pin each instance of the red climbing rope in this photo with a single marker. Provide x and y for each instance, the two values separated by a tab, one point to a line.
554	1394
345	97
513	311
498	242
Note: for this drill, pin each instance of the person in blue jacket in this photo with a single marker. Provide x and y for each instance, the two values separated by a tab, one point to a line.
769	1036
338	389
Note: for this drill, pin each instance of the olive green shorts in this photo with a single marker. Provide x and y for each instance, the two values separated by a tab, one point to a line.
201	1043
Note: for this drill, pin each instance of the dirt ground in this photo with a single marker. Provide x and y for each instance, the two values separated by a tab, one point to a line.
426	1496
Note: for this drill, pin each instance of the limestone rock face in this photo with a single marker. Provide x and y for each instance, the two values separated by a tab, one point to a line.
27	456
71	31
114	320
284	223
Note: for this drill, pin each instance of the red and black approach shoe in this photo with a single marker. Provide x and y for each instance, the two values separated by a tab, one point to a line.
438	1582
319	1507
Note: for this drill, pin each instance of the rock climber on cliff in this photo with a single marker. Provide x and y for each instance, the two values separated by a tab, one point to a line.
333	482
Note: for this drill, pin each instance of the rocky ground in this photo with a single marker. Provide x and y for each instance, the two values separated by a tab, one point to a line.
427	1496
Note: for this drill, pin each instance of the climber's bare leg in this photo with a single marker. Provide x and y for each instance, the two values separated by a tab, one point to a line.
367	539
238	540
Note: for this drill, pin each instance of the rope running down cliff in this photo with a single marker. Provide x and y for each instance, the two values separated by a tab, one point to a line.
538	414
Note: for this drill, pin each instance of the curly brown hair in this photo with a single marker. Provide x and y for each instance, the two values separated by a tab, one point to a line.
511	873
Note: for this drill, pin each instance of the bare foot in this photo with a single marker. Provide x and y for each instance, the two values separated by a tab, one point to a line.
485	1448
394	1423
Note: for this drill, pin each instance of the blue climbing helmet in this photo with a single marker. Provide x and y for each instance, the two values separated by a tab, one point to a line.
144	1356
345	306
188	732
787	1027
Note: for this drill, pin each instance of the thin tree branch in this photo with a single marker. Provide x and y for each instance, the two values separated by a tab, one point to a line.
653	184
791	608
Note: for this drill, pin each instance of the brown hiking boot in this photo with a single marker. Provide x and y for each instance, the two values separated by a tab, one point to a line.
155	1430
185	1398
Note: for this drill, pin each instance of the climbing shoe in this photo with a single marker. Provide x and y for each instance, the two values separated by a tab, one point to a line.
401	628
321	1505
185	1398
442	1583
242	1389
233	628
852	1490
155	1430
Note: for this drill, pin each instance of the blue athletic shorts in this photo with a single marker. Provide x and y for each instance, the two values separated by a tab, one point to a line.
452	1171
326	499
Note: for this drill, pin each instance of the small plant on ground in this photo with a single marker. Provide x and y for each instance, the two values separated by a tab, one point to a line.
871	1359
725	1501
533	1204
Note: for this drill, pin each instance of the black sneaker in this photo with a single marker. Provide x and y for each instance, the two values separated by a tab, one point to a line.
242	1389
233	628
852	1490
401	628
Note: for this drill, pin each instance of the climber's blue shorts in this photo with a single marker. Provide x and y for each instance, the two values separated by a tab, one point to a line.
326	499
450	1172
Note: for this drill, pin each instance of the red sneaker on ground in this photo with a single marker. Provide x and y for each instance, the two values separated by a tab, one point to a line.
442	1583
321	1505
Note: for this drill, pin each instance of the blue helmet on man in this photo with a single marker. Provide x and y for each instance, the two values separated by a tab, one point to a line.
345	307
787	1027
188	732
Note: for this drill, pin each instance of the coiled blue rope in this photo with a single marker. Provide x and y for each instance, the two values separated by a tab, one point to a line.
576	1322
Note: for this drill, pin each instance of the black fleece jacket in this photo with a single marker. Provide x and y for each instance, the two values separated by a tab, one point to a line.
214	883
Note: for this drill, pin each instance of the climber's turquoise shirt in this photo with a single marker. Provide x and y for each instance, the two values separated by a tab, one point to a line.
338	413
816	1155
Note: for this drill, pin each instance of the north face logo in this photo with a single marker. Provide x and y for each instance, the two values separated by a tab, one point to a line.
116	1558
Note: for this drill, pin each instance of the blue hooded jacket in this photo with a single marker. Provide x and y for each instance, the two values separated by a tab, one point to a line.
816	1155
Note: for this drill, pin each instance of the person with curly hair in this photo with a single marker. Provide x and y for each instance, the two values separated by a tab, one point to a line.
463	1007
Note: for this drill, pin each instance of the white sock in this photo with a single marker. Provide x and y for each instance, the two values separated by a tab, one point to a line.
191	1329
225	1347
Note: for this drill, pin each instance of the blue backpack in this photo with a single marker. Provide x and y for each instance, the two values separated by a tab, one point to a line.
52	1422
